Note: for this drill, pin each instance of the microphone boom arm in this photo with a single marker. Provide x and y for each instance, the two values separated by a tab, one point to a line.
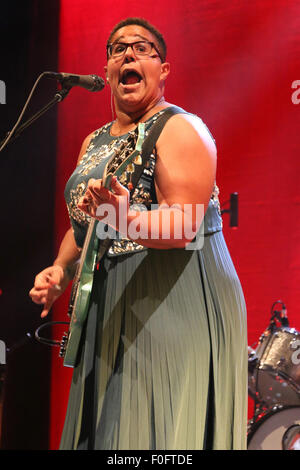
12	135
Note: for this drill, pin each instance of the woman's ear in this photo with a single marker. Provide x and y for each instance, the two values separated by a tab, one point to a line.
165	70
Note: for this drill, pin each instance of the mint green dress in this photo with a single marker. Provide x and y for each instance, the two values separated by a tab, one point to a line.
163	363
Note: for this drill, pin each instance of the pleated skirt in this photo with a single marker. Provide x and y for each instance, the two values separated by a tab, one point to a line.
163	364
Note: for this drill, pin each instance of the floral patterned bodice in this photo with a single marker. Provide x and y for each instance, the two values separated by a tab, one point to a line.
101	148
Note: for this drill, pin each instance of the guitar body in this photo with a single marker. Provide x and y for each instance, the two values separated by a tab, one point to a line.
92	252
80	297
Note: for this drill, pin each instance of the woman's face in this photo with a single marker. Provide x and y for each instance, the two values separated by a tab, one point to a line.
137	82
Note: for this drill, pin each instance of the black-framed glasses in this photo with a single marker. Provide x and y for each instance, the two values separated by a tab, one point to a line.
140	48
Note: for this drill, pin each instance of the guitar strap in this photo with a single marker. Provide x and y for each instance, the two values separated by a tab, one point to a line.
150	142
147	149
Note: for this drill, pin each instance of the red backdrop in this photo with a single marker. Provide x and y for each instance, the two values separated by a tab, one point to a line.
233	64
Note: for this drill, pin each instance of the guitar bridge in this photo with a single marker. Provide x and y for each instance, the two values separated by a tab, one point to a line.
63	345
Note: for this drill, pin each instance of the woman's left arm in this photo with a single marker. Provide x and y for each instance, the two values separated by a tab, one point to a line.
186	168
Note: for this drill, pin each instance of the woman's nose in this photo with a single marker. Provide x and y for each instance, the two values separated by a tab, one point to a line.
129	55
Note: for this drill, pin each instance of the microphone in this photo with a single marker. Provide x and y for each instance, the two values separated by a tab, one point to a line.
89	82
233	210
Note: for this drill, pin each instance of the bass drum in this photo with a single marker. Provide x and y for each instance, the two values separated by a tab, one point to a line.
278	429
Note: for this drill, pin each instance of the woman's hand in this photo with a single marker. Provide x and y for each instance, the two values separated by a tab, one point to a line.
117	197
49	284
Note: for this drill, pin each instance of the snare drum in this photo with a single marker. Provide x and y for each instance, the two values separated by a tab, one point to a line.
276	378
279	429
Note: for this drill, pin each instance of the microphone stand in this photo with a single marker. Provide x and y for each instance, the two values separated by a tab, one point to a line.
58	97
233	210
11	136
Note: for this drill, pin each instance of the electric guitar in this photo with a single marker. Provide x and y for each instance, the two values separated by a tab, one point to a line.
91	254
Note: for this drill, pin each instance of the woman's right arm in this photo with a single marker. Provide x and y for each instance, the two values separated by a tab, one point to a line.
50	283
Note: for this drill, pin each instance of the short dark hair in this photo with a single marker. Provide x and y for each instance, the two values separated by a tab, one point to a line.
145	24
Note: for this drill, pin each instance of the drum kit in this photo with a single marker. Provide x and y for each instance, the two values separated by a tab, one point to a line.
274	385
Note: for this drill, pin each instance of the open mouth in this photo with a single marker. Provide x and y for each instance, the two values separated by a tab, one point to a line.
130	77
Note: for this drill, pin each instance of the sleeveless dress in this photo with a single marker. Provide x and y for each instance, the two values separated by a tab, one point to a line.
163	365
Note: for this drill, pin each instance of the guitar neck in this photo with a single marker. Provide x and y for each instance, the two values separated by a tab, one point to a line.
92	252
87	240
